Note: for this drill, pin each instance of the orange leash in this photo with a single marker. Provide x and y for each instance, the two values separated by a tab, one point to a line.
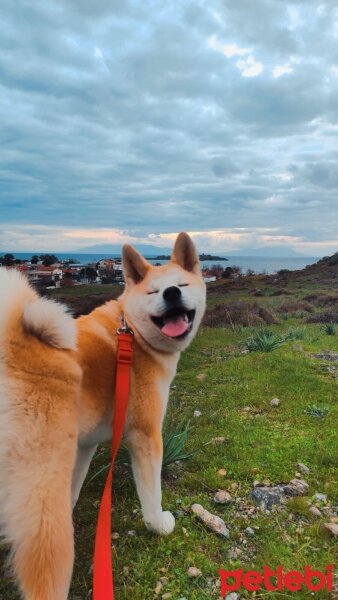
103	583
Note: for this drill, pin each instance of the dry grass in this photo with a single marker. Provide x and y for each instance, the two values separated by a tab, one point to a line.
295	306
238	313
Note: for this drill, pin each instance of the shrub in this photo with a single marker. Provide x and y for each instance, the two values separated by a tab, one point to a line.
322	299
292	334
323	317
316	411
330	329
238	313
333	260
284	272
264	341
174	442
296	306
281	292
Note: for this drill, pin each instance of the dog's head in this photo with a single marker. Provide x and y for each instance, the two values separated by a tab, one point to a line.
165	303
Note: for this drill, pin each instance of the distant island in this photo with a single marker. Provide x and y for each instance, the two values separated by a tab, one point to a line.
202	257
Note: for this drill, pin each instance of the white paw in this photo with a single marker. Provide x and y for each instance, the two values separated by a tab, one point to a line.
163	524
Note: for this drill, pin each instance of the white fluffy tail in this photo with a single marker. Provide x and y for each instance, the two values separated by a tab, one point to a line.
45	319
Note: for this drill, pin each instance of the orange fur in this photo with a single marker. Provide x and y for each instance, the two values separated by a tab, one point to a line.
57	404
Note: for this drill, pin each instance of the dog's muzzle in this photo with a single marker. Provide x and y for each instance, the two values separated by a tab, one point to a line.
176	322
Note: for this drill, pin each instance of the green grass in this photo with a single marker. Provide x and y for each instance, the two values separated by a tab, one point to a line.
261	442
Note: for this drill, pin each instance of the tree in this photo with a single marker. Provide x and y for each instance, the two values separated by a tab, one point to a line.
35	259
89	273
7	260
49	259
67	281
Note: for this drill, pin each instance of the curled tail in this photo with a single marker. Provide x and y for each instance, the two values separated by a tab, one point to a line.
42	318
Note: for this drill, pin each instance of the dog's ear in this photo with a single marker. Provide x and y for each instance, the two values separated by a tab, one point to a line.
134	266
185	254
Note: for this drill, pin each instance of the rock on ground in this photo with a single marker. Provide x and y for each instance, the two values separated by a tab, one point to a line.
194	572
315	511
213	522
332	528
303	468
296	487
222	497
275	402
266	497
320	497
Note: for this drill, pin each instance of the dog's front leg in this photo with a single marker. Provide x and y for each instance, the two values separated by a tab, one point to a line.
146	453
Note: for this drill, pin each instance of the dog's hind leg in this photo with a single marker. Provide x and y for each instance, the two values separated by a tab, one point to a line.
39	524
37	510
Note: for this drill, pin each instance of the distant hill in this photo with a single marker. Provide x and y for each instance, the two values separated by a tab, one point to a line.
146	249
151	250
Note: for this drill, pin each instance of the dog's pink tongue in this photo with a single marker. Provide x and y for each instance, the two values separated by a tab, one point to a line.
175	327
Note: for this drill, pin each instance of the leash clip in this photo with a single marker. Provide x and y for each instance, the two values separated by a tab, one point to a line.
125	327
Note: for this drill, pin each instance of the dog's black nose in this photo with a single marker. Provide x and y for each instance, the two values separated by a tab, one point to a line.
172	294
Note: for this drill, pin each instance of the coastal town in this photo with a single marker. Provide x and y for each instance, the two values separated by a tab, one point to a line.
47	271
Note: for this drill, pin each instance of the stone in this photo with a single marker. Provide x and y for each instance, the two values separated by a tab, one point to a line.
158	588
267	497
303	468
222	472
197	413
167	596
201	376
315	511
213	522
218	440
296	487
232	596
332	528
222	497
234	553
194	572
275	402
320	497
249	531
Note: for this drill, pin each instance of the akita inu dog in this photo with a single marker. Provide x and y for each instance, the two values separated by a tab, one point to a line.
57	392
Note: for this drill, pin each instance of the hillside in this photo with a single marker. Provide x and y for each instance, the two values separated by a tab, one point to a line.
258	388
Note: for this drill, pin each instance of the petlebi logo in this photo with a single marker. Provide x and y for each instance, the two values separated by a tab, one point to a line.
275	580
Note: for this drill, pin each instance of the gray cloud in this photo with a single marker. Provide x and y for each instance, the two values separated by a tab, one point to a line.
122	114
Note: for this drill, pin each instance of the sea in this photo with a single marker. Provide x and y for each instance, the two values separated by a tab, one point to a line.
258	264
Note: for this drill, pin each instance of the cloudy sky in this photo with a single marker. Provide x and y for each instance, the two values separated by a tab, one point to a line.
129	120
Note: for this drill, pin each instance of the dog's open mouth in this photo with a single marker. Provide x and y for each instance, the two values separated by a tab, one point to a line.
176	322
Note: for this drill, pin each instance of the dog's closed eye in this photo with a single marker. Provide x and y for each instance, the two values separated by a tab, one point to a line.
153	292
183	284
